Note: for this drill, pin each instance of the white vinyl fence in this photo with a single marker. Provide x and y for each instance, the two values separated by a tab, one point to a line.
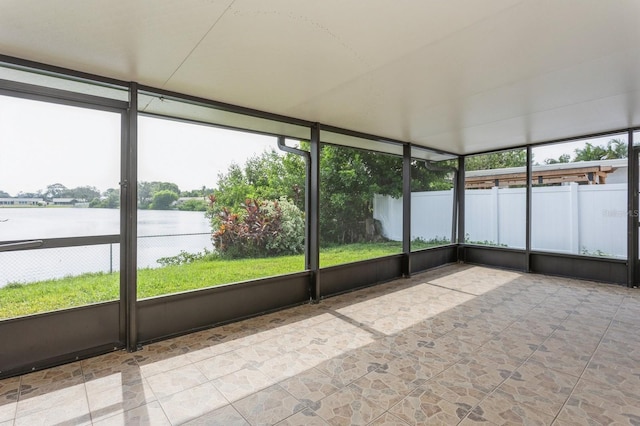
576	219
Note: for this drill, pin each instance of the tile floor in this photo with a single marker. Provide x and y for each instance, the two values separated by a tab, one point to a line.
456	345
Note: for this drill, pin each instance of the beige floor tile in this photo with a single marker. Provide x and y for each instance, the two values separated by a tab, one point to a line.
469	380
426	353
614	371
242	383
306	417
152	363
347	407
388	419
70	410
498	408
538	387
268	406
224	416
286	365
562	356
176	380
68	373
382	388
591	403
424	408
347	368
109	401
9	389
52	396
192	403
150	414
311	386
223	364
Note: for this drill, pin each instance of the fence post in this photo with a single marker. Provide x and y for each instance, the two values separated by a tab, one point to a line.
574	219
495	207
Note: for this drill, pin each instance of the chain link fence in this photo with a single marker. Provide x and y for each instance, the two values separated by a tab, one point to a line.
27	266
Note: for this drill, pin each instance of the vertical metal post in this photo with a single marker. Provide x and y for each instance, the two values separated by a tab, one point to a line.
130	214
313	219
632	211
460	208
528	209
406	210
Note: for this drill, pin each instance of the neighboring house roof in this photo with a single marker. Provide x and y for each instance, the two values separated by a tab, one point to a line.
589	172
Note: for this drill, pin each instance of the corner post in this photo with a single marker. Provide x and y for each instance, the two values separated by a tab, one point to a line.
129	221
406	210
460	208
314	213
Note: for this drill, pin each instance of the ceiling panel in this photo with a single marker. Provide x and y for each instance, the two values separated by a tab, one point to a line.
456	75
142	40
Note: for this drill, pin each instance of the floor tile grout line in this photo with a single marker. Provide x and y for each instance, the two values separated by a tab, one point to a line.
587	364
519	365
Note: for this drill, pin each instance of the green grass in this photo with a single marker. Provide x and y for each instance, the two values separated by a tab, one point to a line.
25	299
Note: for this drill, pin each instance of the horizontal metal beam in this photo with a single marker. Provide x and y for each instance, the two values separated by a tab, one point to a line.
58	242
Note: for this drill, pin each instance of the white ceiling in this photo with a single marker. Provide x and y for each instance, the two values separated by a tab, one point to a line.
458	75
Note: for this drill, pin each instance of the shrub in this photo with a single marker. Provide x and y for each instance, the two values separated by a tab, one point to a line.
290	237
258	229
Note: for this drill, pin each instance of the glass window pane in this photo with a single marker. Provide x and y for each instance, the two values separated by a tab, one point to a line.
432	202
39	78
59	178
215	206
579	197
495	199
360	204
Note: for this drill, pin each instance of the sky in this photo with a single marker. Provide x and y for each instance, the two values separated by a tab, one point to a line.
42	144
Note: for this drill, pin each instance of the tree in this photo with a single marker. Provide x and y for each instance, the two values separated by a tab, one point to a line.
55	190
4	194
193	206
163	199
432	176
564	158
82	193
110	199
349	179
268	176
615	148
496	160
147	190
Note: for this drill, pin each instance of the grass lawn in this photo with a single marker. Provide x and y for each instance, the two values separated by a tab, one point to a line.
24	299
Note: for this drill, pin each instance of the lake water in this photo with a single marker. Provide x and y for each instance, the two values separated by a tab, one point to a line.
160	234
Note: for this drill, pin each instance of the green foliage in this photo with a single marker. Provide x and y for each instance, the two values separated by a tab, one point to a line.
564	158
616	148
110	200
496	160
420	243
146	191
181	274
163	199
184	258
467	240
193	206
268	176
349	178
202	192
290	237
54	190
435	176
258	230
599	253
